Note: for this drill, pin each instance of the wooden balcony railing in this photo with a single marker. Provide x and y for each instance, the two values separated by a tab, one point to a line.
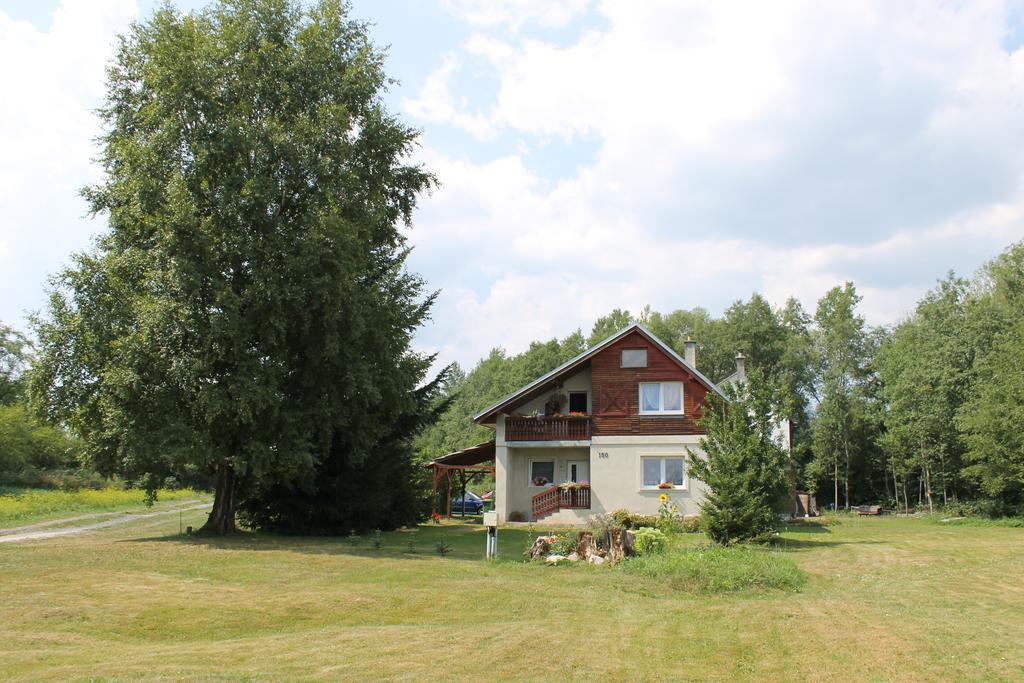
557	498
554	428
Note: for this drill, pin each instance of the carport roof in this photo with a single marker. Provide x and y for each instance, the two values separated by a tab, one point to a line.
474	455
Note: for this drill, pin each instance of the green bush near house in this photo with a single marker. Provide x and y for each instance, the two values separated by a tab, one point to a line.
649	541
632	520
691	525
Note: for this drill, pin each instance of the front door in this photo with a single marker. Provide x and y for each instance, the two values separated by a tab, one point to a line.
578	470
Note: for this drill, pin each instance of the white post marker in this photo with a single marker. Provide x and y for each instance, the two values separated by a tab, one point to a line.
491	522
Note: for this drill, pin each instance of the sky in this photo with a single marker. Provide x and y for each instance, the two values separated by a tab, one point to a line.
602	154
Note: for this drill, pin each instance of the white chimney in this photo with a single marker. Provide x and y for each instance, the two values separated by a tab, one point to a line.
741	367
690	352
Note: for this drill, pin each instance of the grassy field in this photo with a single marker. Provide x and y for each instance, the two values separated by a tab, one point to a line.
883	599
26	506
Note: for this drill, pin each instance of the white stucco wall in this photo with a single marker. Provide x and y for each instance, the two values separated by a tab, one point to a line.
615	476
520	490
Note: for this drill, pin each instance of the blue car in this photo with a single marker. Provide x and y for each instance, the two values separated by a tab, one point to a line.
473	504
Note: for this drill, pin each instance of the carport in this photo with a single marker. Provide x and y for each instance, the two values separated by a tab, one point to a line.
463	467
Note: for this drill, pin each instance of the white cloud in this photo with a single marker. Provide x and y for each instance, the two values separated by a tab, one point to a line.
775	147
437	103
52	81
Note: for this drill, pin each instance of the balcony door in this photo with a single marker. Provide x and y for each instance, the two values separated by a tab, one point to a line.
577	471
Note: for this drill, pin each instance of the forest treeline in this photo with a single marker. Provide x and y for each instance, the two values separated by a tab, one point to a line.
924	413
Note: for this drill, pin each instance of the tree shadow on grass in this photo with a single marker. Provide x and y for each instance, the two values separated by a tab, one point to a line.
815	542
799	526
464	542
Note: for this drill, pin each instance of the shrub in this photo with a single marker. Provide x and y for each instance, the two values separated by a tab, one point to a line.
63	479
516	516
719	569
631	520
691	525
25	442
991	508
649	541
565	545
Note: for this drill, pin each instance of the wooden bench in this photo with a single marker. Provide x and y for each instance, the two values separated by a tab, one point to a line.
869	510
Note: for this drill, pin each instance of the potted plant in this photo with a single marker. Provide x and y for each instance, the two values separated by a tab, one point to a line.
553	406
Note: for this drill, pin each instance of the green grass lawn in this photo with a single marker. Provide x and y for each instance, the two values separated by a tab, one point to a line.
27	506
883	599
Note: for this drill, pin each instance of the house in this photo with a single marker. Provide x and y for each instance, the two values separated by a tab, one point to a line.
613	428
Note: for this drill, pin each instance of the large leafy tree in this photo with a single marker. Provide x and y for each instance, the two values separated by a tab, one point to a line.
742	465
14	360
925	373
841	348
248	309
992	421
991	415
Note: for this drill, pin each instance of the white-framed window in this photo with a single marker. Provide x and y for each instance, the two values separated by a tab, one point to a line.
661	398
662	472
634	358
542	473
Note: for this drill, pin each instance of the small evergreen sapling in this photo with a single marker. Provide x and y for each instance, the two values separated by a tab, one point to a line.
742	465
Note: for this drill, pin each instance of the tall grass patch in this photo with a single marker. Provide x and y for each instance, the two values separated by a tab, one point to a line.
41	503
719	569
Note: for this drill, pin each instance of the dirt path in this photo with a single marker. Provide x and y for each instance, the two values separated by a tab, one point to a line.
25	534
92	515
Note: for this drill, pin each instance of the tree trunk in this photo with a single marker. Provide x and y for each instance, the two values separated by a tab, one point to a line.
885	479
835	483
896	488
942	472
222	516
846	481
928	488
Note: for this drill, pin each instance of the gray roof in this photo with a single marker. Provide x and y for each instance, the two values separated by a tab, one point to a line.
591	352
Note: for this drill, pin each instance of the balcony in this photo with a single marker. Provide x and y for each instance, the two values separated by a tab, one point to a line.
563	497
550	428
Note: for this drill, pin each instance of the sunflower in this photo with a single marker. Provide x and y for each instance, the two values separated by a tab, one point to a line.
663	498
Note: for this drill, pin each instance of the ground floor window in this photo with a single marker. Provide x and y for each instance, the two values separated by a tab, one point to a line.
663	472
542	472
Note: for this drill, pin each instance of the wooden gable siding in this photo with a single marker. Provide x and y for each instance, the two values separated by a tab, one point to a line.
616	391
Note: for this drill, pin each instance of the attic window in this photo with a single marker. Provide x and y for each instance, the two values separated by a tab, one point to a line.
634	358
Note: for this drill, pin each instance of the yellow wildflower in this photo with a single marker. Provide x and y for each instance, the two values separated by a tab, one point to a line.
663	498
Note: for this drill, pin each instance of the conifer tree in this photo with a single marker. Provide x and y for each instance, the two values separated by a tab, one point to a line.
742	464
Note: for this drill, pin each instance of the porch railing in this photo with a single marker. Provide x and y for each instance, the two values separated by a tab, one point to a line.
552	428
557	498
